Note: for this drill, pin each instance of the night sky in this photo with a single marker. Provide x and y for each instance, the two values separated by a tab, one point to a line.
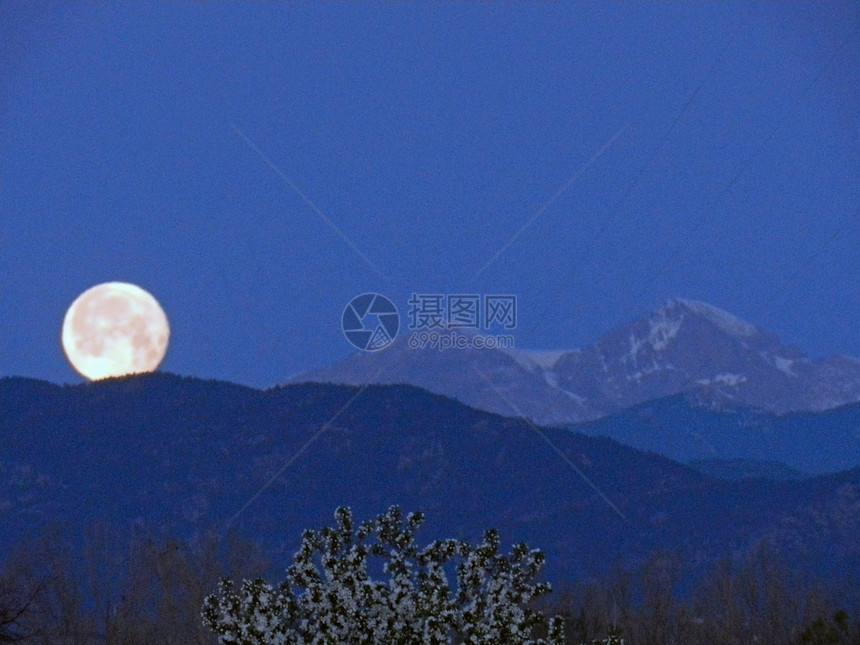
256	166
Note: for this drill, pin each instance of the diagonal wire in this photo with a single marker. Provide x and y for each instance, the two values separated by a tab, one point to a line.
554	197
316	209
809	260
820	249
711	208
703	217
662	141
301	450
642	170
679	250
554	447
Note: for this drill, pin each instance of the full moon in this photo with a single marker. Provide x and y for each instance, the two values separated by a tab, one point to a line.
115	329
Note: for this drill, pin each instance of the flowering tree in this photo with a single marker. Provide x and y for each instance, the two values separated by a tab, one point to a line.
614	638
330	597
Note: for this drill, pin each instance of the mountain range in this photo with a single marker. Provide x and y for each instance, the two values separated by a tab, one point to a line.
688	430
686	346
165	454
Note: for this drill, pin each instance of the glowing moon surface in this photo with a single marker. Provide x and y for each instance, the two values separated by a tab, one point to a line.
114	329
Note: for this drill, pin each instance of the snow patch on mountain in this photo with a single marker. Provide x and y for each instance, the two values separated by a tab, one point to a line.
543	361
531	359
663	329
725	321
635	346
724	378
653	369
784	365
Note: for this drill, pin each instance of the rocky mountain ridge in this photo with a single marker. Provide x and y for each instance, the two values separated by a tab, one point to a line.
685	346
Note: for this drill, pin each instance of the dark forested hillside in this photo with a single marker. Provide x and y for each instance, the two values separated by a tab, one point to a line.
185	456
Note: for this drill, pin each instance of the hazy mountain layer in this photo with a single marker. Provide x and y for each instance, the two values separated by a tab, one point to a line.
686	346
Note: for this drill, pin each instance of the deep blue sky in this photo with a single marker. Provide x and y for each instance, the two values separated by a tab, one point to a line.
429	134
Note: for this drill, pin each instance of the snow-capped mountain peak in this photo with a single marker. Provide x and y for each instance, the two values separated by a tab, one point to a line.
685	346
678	322
726	322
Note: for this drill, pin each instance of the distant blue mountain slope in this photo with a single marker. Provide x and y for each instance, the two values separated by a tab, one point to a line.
686	428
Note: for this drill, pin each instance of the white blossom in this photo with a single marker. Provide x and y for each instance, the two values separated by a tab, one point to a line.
328	596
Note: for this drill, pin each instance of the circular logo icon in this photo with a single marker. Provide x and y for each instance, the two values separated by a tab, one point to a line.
370	322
